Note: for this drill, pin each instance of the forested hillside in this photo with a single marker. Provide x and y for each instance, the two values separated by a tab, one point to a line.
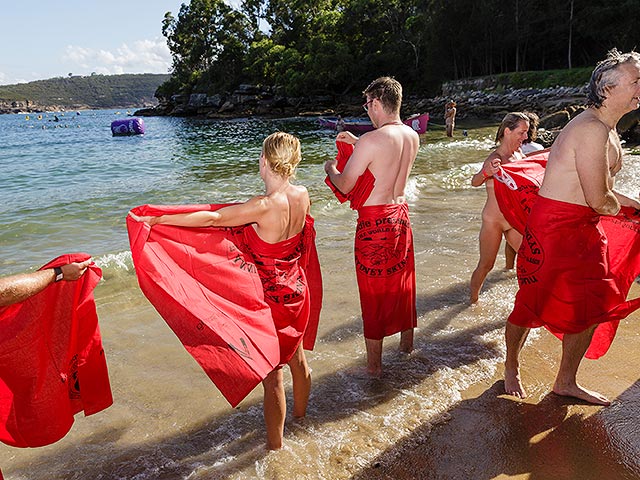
335	46
94	91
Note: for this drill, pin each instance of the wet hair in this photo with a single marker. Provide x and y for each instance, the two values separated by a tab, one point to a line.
534	120
388	91
606	75
282	152
510	121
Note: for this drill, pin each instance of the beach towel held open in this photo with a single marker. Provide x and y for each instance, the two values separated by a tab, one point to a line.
52	364
239	306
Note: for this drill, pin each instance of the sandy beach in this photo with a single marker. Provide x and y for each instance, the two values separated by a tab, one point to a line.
489	435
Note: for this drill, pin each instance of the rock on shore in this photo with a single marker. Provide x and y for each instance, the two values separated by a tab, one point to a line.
555	106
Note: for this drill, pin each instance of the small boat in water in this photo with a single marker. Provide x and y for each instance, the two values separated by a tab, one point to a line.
358	126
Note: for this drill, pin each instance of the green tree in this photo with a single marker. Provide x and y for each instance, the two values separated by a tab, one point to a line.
207	41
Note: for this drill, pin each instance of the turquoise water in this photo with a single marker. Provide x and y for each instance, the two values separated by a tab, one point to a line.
68	187
68	184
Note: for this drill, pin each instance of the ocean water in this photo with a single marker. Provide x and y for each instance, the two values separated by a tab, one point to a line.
67	186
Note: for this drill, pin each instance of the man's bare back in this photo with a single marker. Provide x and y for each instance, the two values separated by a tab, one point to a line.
389	153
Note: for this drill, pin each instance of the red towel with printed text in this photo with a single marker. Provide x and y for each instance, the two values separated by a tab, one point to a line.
239	306
364	185
52	364
516	187
575	269
385	270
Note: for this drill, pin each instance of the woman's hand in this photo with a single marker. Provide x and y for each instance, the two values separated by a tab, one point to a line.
491	169
149	220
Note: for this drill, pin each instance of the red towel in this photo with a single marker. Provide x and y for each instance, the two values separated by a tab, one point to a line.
364	185
207	285
516	188
575	269
52	364
385	270
282	267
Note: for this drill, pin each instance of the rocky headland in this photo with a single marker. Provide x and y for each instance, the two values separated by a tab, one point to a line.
477	101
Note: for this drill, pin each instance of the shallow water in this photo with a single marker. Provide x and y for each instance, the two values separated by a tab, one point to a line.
69	188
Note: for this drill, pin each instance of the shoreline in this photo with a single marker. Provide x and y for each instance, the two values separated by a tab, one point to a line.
490	435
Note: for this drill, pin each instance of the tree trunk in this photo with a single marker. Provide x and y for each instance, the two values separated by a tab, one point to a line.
570	33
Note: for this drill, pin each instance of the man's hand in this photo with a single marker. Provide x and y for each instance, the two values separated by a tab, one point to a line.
73	271
347	137
330	166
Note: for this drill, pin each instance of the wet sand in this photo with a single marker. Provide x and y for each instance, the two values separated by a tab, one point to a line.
489	435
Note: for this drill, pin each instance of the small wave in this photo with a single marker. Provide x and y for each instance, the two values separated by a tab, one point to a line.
458	177
115	261
465	144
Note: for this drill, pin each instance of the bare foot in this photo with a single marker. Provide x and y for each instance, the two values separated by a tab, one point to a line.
513	384
473	299
576	391
363	373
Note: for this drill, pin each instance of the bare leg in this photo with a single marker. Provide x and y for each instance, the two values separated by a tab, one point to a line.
509	257
515	336
513	238
301	383
449	131
374	357
275	408
406	341
574	347
490	238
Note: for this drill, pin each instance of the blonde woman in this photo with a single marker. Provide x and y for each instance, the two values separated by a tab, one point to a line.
278	232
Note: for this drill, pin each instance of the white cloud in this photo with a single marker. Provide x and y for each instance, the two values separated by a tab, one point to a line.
142	56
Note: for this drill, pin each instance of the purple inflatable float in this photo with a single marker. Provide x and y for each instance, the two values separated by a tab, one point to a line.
129	126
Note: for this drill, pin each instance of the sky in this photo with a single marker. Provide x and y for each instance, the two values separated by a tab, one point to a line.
42	39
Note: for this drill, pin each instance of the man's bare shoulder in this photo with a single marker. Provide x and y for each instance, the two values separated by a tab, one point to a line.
585	126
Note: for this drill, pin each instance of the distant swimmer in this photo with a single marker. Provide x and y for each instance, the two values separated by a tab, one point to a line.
511	133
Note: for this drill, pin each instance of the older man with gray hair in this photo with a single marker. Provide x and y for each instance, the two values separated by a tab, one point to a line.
565	277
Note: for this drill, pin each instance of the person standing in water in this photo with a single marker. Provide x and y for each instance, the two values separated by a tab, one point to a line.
450	117
511	133
384	256
275	223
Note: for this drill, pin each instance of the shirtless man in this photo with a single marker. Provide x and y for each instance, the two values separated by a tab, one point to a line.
582	163
388	152
511	133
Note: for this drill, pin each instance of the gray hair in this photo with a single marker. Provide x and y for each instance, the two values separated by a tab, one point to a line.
606	75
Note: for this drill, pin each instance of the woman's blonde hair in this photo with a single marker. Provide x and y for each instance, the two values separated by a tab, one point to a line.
282	152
